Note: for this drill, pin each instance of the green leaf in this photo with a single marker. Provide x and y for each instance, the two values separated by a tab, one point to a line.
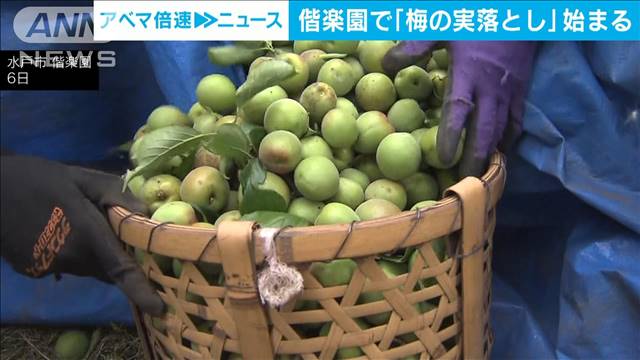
255	199
275	219
231	54
207	213
253	173
159	146
158	141
255	133
333	56
226	167
230	141
268	74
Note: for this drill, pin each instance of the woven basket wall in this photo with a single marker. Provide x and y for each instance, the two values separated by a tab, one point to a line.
438	309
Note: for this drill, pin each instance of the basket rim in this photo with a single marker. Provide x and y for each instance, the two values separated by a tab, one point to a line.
309	243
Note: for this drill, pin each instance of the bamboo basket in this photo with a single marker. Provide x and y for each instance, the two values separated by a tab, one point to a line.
237	323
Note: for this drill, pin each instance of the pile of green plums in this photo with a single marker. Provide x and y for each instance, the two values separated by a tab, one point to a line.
343	142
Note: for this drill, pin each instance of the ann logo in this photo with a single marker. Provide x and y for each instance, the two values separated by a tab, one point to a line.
77	26
60	24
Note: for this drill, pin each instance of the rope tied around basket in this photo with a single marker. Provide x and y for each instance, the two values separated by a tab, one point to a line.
277	282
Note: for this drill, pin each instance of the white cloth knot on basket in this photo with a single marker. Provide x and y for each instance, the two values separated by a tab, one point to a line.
277	282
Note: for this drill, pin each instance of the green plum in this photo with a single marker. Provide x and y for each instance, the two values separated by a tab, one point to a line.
376	208
440	79
176	212
348	47
198	110
370	54
368	165
317	178
346	105
356	175
318	98
159	190
206	124
233	215
315	146
305	208
229	119
406	115
205	157
302	45
375	91
334	273
420	187
418	133
349	193
287	114
336	213
167	115
314	60
254	109
431	65
339	128
338	74
398	156
373	126
342	158
218	93
71	345
357	71
295	83
413	82
430	152
387	190
280	151
206	187
441	57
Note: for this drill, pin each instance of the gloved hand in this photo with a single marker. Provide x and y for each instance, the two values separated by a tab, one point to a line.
53	222
488	81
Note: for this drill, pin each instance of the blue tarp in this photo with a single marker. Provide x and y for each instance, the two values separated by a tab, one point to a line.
567	281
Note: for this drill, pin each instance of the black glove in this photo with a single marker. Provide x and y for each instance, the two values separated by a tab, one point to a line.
53	222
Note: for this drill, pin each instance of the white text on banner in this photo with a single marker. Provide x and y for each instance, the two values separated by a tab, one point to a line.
190	20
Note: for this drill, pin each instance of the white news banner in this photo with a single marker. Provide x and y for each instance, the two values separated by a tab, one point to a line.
190	20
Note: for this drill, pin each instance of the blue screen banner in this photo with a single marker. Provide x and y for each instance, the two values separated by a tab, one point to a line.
464	20
359	20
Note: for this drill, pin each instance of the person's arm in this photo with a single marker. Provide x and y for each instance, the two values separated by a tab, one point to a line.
53	222
488	84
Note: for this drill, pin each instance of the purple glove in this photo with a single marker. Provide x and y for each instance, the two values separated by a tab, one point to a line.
488	84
